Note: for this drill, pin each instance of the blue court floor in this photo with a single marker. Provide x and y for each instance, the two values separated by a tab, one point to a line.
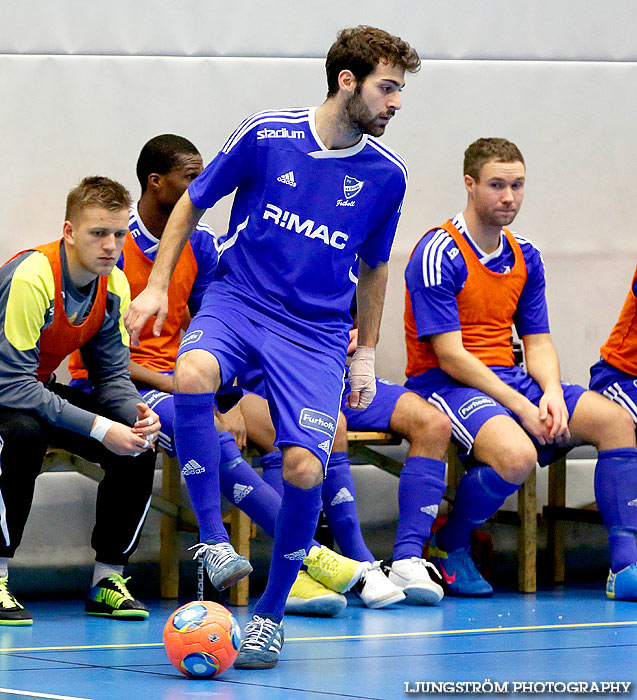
574	635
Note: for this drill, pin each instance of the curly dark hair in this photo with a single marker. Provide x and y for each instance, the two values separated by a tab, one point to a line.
361	49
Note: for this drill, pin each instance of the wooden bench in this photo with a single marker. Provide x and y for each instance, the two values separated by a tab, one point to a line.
176	518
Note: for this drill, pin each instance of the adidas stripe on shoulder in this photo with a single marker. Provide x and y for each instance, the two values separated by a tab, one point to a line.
432	257
287	116
391	155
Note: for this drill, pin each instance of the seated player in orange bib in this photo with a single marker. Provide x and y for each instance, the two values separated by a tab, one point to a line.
469	282
615	375
57	298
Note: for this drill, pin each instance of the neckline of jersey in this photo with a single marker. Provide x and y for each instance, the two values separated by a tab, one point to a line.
326	152
483	257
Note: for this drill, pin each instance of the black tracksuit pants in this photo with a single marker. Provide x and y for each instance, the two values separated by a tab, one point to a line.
122	496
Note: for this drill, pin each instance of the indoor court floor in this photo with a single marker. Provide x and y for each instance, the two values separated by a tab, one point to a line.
571	635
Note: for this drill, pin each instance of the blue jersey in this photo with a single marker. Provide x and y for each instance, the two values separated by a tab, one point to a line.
437	273
302	216
204	248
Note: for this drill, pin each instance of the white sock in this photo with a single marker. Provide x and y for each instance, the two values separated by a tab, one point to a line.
4	567
103	570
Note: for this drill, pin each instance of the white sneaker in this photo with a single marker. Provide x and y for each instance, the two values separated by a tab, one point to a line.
376	590
413	577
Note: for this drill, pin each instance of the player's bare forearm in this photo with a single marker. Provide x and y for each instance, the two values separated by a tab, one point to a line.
541	360
179	228
142	375
543	365
465	368
370	299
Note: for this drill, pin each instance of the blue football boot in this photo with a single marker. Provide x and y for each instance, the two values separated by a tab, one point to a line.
623	584
459	572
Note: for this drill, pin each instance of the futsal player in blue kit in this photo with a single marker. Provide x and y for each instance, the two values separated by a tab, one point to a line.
468	282
317	200
167	164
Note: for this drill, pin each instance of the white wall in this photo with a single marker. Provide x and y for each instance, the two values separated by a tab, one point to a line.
82	88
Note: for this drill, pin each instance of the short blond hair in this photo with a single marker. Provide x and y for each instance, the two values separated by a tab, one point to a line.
96	191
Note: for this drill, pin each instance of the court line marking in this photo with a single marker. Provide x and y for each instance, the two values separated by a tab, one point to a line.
383	635
41	695
432	633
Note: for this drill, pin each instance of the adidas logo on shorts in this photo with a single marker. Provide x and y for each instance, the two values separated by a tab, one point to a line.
430	510
240	491
343	496
287	179
192	467
299	555
325	446
633	502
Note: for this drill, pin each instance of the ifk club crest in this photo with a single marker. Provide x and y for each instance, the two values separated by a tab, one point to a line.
352	186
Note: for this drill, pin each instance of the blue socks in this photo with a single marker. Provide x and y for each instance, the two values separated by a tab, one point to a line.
420	490
197	445
294	530
243	487
616	496
480	493
339	505
272	465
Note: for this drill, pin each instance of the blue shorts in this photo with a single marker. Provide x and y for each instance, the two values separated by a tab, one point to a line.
164	406
303	386
469	409
253	382
615	385
379	412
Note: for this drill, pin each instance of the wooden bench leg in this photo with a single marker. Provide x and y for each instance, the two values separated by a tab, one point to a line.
240	539
455	470
556	529
169	533
527	536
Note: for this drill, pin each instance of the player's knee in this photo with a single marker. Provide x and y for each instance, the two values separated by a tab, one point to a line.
435	425
24	438
514	463
301	468
623	422
26	433
429	426
197	372
618	430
